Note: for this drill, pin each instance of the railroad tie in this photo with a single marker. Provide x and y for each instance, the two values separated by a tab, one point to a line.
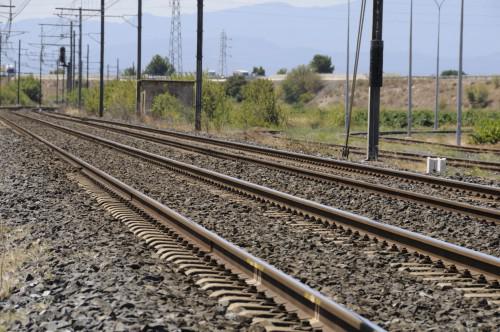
239	295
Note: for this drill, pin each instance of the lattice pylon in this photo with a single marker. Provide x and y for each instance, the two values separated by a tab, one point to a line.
175	52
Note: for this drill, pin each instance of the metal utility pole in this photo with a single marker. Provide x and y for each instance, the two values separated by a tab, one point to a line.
138	73
19	73
57	81
101	69
460	74
347	85
1	40
88	55
199	67
439	4
176	36
376	79
41	62
80	60
410	74
69	81
223	53
73	65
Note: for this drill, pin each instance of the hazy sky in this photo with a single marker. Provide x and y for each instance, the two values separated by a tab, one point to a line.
41	8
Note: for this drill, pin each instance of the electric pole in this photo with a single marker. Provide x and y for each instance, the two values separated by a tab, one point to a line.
101	68
460	74
176	36
69	81
138	73
41	63
19	73
410	74
87	67
376	79
347	87
1	40
80	60
199	67
57	81
436	106
223	54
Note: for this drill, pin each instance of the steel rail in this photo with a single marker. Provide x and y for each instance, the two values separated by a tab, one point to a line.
451	146
405	175
463	258
310	303
452	161
450	205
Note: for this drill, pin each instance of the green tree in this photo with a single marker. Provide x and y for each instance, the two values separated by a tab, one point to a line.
450	72
260	103
282	71
159	67
259	71
322	64
130	71
234	86
300	85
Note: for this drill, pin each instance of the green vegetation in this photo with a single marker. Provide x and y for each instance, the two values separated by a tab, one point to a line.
259	71
496	82
282	71
168	107
449	72
260	105
159	67
486	132
478	96
130	71
300	85
234	87
31	87
8	94
322	64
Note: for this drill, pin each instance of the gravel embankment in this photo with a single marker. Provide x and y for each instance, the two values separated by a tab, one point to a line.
386	181
90	273
364	283
458	229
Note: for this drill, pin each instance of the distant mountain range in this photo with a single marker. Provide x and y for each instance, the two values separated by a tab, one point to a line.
278	35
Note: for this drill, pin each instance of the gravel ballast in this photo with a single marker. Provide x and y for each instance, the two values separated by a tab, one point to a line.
461	230
90	273
364	282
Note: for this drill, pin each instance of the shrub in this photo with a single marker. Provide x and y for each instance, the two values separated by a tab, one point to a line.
486	132
31	87
496	82
8	95
234	86
300	84
260	104
322	64
170	108
216	105
478	95
282	71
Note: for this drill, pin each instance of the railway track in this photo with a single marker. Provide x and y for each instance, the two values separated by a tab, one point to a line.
492	215
464	259
443	183
468	149
417	157
233	275
442	257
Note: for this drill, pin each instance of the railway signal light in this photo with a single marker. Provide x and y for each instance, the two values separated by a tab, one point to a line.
62	56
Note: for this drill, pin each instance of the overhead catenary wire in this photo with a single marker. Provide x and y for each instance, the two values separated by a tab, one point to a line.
345	151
